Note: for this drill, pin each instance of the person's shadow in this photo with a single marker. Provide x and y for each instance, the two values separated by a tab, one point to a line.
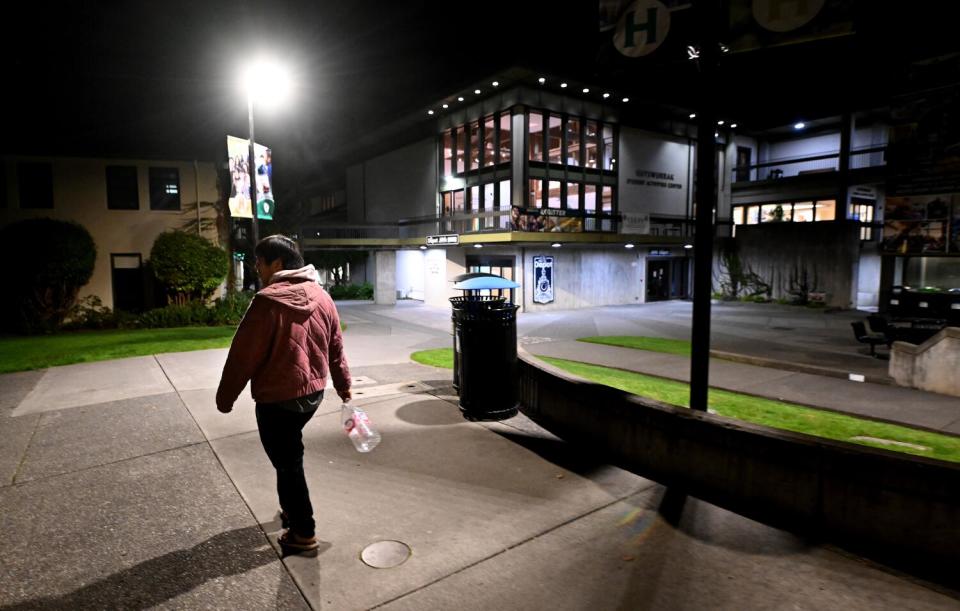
168	576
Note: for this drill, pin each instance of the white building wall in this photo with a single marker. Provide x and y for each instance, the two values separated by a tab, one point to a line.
80	195
410	274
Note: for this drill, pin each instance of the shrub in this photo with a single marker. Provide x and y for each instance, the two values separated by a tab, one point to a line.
352	291
189	266
48	261
90	313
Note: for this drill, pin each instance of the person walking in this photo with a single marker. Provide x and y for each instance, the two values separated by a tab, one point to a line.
287	344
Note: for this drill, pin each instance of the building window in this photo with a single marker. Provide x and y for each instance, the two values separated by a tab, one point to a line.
774	213
505	142
458	201
535	198
553	194
446	203
489	144
489	193
474	145
826	210
461	152
164	189
609	160
590	144
864	214
606	201
803	212
447	153
573	196
123	192
36	185
573	141
536	136
555	136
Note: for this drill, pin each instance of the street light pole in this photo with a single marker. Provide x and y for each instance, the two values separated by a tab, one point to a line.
252	169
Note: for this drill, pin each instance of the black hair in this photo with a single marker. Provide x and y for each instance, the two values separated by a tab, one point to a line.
280	247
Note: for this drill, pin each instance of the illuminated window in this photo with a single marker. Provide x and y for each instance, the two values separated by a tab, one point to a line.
489	144
535	197
555	142
536	136
573	141
553	194
803	212
504	222
458	201
573	196
752	212
489	190
826	210
461	153
606	199
164	189
447	153
590	144
475	145
590	198
608	158
772	213
505	143
738	215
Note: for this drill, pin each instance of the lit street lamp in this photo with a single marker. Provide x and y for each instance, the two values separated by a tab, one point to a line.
265	82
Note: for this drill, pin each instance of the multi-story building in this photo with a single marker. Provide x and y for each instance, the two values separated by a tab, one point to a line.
124	204
526	166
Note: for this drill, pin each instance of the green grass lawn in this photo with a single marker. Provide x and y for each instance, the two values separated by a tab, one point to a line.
768	412
653	344
39	351
438	357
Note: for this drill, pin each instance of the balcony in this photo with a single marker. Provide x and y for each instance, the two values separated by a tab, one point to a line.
862	158
405	231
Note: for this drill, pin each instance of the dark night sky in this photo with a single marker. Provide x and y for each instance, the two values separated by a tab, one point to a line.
138	78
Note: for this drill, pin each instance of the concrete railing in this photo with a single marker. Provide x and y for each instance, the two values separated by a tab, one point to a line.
933	365
901	509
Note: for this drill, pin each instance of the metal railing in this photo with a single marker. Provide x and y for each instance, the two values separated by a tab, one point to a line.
494	221
866	157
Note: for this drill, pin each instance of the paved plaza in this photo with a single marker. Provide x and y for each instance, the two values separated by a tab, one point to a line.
121	486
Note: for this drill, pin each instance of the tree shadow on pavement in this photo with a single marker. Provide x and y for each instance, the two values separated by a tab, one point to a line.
165	577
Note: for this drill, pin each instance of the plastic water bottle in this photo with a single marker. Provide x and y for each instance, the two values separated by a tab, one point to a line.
357	426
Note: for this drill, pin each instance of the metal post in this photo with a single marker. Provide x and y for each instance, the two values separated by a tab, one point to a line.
252	169
706	201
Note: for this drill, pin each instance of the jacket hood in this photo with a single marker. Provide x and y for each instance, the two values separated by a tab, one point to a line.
297	289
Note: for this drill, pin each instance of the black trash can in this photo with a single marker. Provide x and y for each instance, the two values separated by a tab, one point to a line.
485	357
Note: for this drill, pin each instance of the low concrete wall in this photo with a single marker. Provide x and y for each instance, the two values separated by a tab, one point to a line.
902	509
934	365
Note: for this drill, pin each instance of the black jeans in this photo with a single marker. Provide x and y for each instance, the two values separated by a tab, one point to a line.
281	435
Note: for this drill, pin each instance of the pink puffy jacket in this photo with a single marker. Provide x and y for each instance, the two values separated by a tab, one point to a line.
287	344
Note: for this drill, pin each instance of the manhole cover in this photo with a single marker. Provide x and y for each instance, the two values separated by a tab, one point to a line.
385	554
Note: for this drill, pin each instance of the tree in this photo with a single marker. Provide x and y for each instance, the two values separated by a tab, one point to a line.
189	266
48	261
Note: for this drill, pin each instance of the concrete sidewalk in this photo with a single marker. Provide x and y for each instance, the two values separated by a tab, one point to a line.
121	486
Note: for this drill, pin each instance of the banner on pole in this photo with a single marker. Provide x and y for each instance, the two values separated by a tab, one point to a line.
238	154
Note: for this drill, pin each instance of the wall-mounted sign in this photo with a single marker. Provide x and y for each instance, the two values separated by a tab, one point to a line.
443	240
660	252
635	222
542	279
641	28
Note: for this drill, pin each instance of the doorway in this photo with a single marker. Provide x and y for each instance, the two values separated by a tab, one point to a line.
667	279
126	272
501	266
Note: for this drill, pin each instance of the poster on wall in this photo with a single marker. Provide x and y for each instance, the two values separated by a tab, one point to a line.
238	155
545	220
543	279
916	224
